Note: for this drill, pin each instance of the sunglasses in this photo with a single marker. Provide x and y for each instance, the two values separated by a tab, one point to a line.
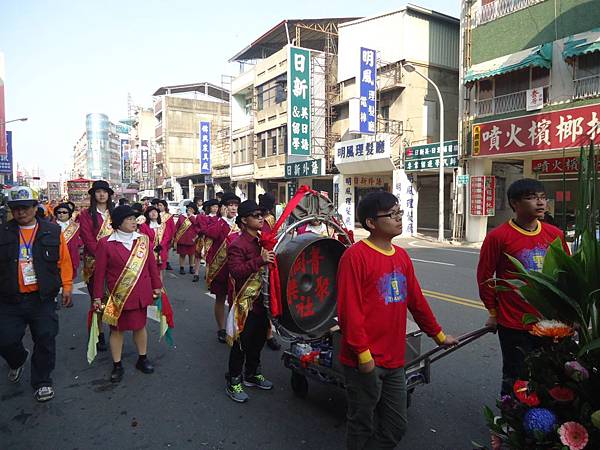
257	215
62	212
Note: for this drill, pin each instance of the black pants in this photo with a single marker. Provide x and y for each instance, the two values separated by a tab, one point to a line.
515	345
43	323
248	347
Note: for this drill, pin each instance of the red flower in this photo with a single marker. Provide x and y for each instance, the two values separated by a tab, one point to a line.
523	395
562	394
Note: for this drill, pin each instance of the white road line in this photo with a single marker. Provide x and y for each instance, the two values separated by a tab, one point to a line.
211	294
413	244
432	262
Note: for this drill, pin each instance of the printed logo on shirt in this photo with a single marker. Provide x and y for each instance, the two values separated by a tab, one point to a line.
532	258
392	287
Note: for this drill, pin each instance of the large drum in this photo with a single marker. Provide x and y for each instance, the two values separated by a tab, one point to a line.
307	266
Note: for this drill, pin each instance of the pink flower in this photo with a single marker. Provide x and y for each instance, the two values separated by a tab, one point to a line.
573	435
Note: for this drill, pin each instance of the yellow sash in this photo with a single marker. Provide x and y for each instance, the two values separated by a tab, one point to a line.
89	262
187	223
270	220
242	304
220	258
158	235
126	282
70	231
164	216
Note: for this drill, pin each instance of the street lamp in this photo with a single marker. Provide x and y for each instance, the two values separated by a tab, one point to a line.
22	119
410	68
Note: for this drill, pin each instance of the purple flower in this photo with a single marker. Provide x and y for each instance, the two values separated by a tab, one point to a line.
576	371
507	402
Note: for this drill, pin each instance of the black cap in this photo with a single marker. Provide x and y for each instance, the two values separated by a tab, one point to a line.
155	201
208	203
266	201
191	205
63	206
245	209
230	197
100	184
120	213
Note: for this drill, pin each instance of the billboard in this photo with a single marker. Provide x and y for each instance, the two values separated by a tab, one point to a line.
6	159
299	100
53	190
126	160
367	101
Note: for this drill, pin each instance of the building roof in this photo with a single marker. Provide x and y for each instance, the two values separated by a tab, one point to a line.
204	88
283	33
412	8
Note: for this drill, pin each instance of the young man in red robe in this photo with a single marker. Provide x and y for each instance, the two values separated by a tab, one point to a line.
376	287
526	238
248	322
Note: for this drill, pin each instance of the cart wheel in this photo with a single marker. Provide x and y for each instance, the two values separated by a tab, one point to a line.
409	394
299	385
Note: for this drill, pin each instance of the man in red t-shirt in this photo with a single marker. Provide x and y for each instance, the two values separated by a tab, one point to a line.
376	286
526	238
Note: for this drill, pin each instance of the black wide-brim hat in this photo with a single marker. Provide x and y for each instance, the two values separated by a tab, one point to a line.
100	184
120	213
229	197
266	201
246	208
208	203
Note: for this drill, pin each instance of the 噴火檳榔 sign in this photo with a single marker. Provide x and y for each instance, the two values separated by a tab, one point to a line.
566	128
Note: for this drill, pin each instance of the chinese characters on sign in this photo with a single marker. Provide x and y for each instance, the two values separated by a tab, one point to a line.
6	161
483	195
427	157
535	99
343	191
144	160
53	188
357	150
370	182
205	148
566	128
299	96
368	81
308	168
125	161
557	165
404	191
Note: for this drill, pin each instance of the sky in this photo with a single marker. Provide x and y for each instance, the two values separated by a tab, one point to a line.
65	59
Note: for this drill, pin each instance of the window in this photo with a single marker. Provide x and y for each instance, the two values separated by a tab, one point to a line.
282	140
587	65
512	82
384	114
263	144
272	93
273	141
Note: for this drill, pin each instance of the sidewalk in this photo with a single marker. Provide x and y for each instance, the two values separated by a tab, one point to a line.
430	241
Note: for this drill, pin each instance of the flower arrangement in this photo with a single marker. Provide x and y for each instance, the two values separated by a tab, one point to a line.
558	405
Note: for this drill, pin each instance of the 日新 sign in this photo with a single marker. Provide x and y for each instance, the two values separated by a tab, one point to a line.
205	148
566	128
299	100
308	168
427	157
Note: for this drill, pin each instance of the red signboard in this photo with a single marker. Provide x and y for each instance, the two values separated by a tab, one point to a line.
483	195
553	130
557	165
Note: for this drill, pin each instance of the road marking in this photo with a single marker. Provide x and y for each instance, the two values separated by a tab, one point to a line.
78	288
211	294
454	299
432	262
413	244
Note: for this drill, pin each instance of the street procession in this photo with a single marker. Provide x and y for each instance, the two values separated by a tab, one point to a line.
378	230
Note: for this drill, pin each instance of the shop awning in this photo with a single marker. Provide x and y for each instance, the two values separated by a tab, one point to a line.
540	56
582	43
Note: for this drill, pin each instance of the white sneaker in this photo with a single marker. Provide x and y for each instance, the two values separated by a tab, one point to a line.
44	394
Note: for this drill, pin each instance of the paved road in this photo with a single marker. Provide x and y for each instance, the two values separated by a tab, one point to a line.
183	405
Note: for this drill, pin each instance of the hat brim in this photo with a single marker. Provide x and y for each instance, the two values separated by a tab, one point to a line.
22	203
93	190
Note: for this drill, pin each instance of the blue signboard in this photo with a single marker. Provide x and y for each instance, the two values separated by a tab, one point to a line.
205	148
368	80
6	159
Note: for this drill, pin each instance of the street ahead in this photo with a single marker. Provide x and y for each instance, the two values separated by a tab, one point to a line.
183	404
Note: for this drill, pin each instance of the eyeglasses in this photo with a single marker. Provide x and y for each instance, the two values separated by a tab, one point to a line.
541	197
393	215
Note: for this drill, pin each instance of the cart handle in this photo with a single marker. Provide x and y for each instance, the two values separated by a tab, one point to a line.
443	351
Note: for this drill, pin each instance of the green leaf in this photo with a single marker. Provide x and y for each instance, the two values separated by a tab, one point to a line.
529	319
590	347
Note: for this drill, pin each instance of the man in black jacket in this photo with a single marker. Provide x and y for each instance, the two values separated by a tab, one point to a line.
34	265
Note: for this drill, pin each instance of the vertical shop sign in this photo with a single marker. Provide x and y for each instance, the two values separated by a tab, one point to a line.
299	100
483	195
144	160
368	82
205	148
125	161
405	193
6	161
343	194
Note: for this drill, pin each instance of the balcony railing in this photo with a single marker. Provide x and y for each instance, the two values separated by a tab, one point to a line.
587	87
500	8
158	131
517	101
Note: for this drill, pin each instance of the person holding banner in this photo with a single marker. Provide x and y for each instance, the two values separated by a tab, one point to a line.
157	231
185	237
125	261
70	231
217	277
94	224
248	322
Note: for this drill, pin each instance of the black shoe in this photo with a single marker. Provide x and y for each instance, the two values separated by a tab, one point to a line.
196	278
101	344
117	374
222	336
181	271
169	266
273	344
144	365
192	270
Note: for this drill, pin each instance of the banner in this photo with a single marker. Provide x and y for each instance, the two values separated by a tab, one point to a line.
6	159
299	100
53	190
368	88
125	161
205	148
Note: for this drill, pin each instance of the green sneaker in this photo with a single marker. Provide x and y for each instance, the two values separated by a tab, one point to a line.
258	381
235	391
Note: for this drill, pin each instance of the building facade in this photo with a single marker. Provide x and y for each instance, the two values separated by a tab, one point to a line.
530	75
